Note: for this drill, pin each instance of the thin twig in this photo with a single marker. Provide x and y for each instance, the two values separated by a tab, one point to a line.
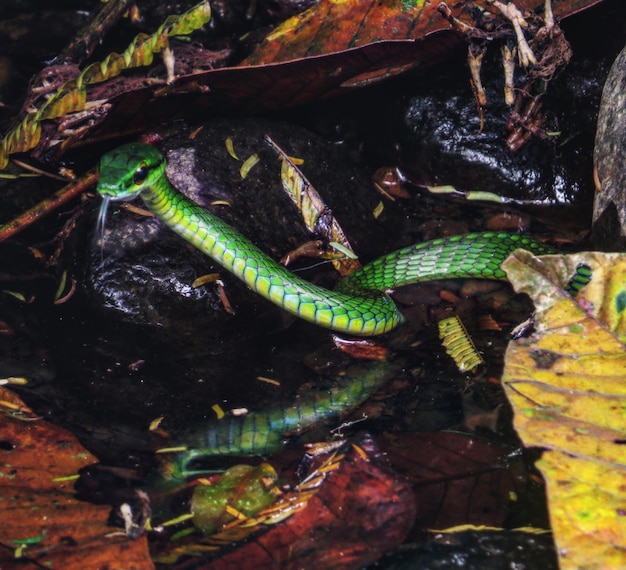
48	205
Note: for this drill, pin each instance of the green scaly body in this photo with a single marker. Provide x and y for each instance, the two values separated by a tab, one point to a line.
359	305
265	432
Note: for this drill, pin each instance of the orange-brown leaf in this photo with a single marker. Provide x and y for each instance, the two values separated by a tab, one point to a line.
39	508
332	26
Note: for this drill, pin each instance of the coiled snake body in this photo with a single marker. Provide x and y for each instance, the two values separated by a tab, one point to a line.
359	305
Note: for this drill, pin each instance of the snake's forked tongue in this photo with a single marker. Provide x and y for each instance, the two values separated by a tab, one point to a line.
101	224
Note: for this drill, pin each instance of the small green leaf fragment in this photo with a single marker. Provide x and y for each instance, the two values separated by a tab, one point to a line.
230	148
19	296
29	540
343	249
248	164
243	490
61	286
181	519
483	196
66	478
18	381
443	190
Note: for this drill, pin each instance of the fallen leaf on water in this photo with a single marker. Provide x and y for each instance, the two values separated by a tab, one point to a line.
458	478
567	385
39	516
361	510
243	488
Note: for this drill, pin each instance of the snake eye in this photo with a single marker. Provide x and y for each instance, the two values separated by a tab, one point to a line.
141	173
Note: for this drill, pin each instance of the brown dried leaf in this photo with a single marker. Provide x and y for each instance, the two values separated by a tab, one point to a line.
332	26
39	508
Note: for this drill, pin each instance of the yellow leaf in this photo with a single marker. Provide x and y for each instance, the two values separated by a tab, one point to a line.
316	215
567	386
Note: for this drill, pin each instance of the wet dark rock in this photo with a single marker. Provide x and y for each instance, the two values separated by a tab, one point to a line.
610	159
432	132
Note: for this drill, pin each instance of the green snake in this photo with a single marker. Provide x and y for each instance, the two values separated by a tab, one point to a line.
265	432
359	305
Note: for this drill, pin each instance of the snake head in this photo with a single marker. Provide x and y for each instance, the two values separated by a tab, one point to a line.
129	169
124	173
